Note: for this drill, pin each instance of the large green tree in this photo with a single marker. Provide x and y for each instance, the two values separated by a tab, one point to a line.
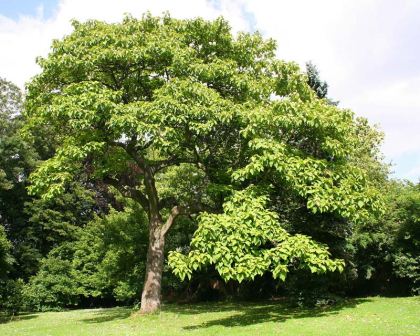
130	102
17	158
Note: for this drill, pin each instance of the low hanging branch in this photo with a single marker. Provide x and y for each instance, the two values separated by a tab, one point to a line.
247	240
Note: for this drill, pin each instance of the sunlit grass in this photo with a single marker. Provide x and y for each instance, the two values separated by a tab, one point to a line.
368	316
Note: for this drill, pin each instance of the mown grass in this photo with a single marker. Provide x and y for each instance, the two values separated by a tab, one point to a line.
367	316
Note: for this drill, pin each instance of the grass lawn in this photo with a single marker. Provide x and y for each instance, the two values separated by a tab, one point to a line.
367	316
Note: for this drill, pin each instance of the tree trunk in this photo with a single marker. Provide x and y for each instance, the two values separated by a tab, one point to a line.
151	296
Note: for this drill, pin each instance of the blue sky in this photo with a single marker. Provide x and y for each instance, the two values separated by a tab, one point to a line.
368	51
15	8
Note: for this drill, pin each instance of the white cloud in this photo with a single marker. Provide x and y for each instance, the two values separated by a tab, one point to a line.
400	94
367	50
31	36
396	107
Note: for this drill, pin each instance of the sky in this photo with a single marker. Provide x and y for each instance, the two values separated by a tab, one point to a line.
367	50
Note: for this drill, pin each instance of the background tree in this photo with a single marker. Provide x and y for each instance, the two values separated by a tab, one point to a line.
103	265
319	86
50	223
387	248
128	103
17	158
5	256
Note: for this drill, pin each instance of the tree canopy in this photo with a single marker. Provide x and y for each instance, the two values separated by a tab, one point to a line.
158	99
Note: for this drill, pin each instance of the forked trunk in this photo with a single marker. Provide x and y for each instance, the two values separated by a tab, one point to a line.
151	296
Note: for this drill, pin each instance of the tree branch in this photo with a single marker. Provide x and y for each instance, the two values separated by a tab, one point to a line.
175	212
178	210
128	192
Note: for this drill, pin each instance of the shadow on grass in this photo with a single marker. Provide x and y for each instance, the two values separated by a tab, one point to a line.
6	318
109	314
239	314
255	313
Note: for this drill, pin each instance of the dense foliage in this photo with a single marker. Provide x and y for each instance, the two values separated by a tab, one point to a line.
5	256
246	241
387	248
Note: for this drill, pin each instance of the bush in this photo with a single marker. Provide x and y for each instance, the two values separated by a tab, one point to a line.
103	265
11	296
387	249
6	259
407	267
109	256
55	285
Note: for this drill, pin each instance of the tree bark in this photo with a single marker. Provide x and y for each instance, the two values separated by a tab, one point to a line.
151	296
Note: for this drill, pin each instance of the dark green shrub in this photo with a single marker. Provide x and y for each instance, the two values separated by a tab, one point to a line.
55	285
11	296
